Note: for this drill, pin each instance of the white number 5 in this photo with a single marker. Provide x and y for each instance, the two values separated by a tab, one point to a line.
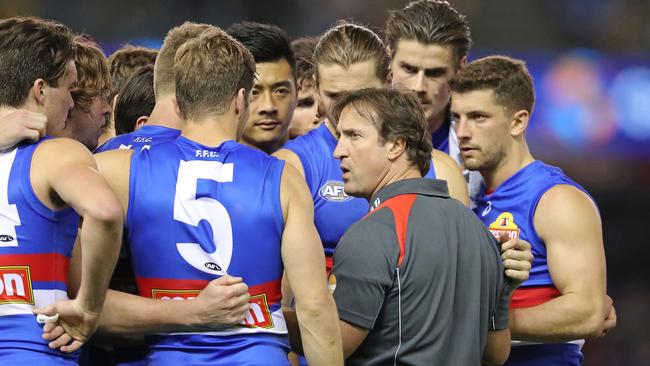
191	210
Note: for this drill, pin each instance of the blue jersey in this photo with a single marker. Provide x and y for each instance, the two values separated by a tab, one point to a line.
35	249
140	139
334	211
122	280
196	213
510	209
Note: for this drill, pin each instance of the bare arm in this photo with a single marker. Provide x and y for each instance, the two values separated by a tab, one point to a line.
447	169
291	158
568	222
304	262
64	173
497	348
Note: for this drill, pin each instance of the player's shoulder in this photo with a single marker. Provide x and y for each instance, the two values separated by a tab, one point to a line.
61	150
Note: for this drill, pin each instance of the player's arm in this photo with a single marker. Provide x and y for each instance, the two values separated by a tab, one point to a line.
64	173
21	125
568	221
291	158
304	263
447	169
223	301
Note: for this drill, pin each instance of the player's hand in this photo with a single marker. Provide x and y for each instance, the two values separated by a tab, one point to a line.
517	259
74	327
610	317
21	125
222	302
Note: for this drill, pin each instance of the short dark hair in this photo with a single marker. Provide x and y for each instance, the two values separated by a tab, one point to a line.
397	114
266	42
346	44
430	22
30	49
123	62
134	100
508	78
303	50
209	71
93	78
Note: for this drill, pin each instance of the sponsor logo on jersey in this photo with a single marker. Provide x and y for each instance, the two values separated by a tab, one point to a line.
16	285
487	208
258	315
331	283
174	294
505	223
333	191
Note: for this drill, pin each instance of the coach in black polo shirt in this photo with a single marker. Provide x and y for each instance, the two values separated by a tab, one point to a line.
419	280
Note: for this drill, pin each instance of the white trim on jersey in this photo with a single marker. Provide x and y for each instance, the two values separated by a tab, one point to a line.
42	298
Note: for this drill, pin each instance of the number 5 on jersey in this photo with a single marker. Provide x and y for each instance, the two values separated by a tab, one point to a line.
191	210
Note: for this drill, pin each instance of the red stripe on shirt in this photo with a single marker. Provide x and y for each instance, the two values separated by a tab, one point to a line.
531	296
401	206
46	267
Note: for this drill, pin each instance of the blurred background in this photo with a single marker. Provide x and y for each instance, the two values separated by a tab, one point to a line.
591	64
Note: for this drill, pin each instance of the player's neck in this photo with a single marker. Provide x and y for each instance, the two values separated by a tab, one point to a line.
331	128
164	114
269	147
436	121
513	161
211	131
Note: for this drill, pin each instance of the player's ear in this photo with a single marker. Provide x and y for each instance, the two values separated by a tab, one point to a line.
141	122
38	91
519	122
462	63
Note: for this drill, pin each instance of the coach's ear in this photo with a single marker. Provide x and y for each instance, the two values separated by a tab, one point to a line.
37	91
395	148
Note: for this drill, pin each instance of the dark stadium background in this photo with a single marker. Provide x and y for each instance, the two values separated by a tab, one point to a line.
591	63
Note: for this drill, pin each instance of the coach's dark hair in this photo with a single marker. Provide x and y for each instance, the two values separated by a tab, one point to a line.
31	49
266	42
508	78
348	43
125	61
430	22
134	100
397	115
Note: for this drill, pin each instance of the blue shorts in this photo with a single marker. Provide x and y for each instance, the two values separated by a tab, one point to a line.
562	354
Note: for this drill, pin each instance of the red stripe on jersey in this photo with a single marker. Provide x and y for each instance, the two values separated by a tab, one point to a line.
170	287
531	296
401	206
47	267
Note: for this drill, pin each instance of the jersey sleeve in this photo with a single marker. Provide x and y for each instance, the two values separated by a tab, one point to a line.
364	270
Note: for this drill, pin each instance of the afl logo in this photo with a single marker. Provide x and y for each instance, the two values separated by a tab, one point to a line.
213	266
6	238
333	191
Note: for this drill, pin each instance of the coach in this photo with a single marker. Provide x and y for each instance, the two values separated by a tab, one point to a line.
419	280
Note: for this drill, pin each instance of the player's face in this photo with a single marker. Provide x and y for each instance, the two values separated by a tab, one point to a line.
425	69
86	125
364	159
483	129
58	101
273	99
305	116
334	79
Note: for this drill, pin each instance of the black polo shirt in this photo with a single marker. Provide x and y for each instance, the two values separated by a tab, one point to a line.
423	275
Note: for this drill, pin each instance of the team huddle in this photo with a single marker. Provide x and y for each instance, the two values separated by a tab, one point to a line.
236	198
